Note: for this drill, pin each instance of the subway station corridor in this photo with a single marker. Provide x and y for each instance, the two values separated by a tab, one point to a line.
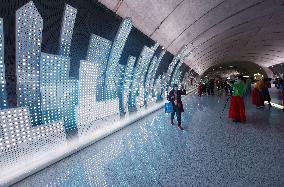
88	89
211	151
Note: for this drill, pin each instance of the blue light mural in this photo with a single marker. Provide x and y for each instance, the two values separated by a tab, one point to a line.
69	17
59	93
3	95
138	85
29	25
50	102
127	82
105	88
98	52
180	55
112	77
177	73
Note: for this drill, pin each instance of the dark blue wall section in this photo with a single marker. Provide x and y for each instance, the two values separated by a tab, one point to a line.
134	45
163	67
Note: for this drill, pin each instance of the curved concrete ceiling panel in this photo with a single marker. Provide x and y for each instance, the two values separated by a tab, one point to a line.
214	31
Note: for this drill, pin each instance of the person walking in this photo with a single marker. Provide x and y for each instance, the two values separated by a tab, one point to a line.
265	91
199	89
257	96
237	106
175	98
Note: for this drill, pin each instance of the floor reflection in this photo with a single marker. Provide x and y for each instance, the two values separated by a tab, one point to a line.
210	152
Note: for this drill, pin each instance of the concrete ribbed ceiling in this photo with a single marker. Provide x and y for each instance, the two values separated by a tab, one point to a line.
214	31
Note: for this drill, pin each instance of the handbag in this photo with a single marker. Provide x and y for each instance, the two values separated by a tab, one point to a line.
169	108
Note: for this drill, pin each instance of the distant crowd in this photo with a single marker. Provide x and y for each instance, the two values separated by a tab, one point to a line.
237	88
220	87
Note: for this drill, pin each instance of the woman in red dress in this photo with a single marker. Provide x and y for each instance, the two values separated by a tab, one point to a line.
237	111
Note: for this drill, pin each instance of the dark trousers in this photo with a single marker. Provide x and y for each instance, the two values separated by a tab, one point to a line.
178	114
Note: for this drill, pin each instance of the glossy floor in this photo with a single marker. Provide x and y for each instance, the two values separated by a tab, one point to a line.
212	151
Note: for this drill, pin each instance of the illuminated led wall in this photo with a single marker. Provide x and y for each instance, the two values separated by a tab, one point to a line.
59	93
158	88
112	76
28	49
69	17
170	72
20	141
49	102
150	80
89	110
148	87
3	95
127	82
121	87
177	73
98	52
138	85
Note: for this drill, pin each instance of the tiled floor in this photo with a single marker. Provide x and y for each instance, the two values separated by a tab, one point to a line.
212	151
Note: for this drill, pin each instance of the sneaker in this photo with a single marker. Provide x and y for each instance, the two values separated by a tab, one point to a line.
180	127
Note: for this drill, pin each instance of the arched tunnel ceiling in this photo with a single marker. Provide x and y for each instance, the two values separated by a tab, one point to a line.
215	31
228	68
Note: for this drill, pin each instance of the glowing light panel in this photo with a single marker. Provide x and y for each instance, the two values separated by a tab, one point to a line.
29	25
19	141
112	76
69	17
59	94
138	86
98	52
3	94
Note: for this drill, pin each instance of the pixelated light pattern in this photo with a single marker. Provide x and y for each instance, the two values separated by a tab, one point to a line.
3	93
177	57
69	17
150	80
156	67
121	87
51	103
177	73
138	86
127	82
158	88
188	80
89	111
164	85
98	52
20	141
28	48
59	94
67	94
112	77
148	87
